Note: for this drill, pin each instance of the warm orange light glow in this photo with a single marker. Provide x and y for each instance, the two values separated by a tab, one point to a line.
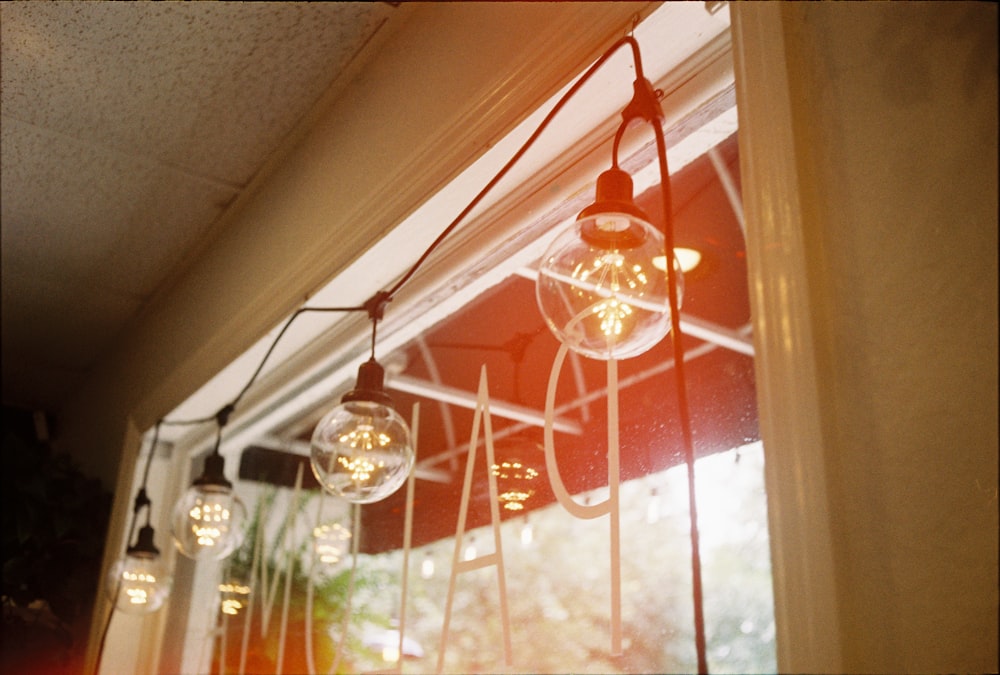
688	258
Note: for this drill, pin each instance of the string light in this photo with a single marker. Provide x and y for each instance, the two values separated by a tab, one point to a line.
600	292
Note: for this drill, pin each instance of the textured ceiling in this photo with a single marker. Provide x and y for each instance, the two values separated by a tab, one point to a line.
127	129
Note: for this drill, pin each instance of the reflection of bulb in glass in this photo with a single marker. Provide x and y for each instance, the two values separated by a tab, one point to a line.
527	534
514	483
598	284
233	597
331	542
208	522
139	583
470	550
427	567
361	451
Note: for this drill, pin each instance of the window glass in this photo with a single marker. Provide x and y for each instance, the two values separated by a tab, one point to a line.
557	567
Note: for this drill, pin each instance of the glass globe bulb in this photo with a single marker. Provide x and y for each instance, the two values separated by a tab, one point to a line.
139	582
599	288
208	521
361	451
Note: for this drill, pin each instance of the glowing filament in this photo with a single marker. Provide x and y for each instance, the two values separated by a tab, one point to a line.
208	520
136	586
611	314
140	577
360	468
232	605
329	541
328	554
513	500
515	472
365	437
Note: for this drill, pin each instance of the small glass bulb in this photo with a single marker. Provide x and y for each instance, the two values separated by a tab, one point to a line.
208	522
601	298
361	451
138	583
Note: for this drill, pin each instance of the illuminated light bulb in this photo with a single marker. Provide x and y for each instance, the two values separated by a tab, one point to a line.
139	583
361	449
427	567
598	286
208	519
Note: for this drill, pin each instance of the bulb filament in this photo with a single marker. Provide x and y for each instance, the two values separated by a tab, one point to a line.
514	471
137	594
364	437
208	522
607	276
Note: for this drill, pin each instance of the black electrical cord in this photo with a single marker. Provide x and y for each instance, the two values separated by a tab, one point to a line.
375	305
559	105
684	410
274	343
645	105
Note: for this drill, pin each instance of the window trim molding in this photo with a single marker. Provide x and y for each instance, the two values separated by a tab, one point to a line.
802	553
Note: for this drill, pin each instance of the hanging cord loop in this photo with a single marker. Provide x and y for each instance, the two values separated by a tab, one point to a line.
680	378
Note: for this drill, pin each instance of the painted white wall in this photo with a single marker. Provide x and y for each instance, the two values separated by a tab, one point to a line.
872	216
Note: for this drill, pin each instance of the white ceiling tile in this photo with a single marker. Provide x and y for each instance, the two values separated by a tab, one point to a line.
78	213
213	87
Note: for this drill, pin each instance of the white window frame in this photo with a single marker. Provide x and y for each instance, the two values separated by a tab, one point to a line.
805	600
